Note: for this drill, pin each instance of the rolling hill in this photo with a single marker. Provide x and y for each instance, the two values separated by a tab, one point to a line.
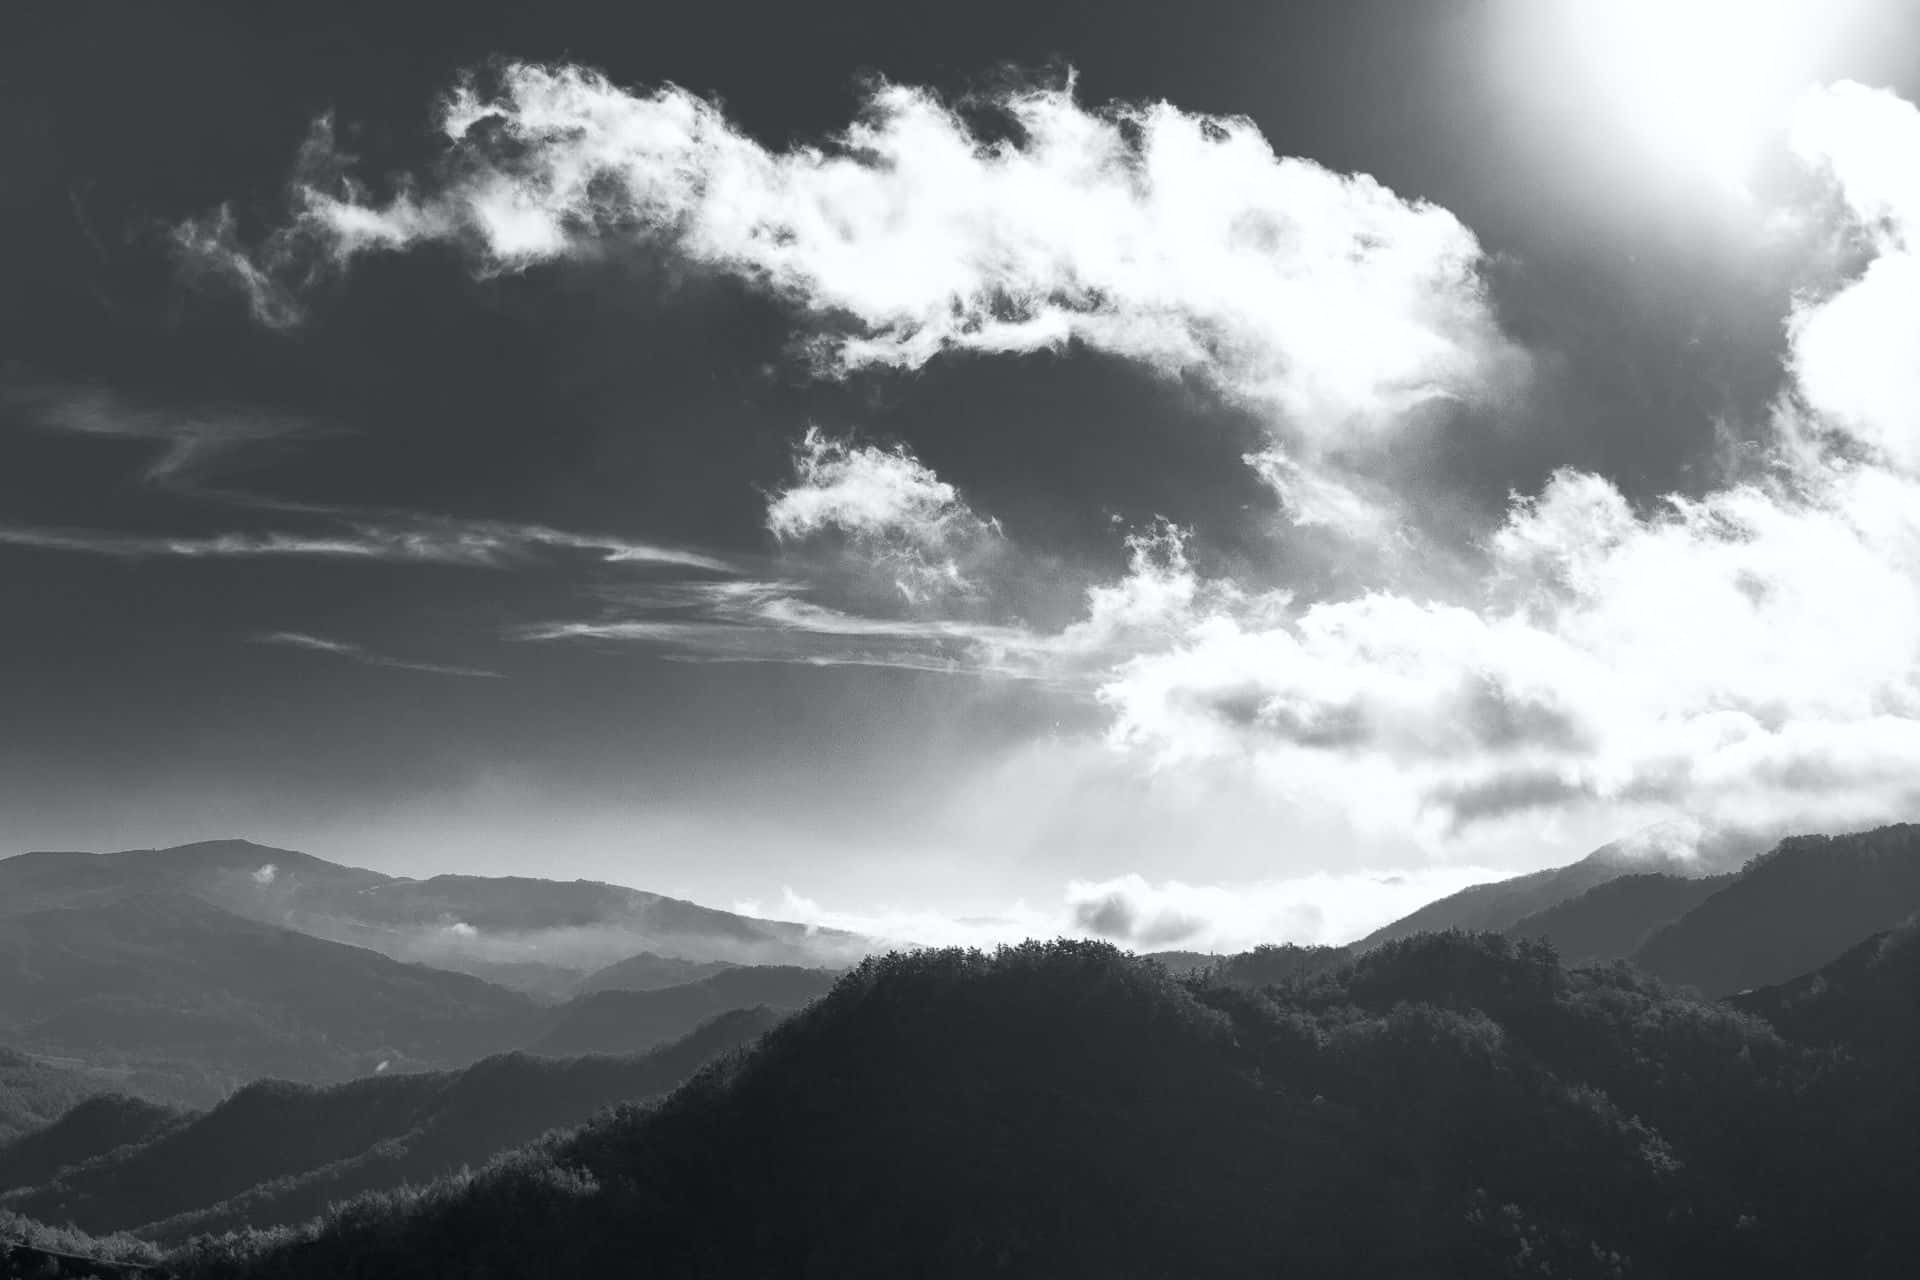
277	1153
99	1124
539	936
617	1021
1613	918
1791	911
1452	1105
163	976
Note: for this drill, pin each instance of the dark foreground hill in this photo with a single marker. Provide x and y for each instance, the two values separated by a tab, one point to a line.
1446	1106
278	1153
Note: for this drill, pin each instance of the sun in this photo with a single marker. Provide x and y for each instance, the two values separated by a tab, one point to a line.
1704	83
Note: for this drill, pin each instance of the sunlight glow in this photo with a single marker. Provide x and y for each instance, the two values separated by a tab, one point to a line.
1703	82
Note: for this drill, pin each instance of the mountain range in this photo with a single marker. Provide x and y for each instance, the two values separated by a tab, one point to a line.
1451	1104
144	996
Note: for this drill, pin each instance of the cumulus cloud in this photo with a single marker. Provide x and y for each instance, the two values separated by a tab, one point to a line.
1323	301
1853	350
905	522
1747	654
366	656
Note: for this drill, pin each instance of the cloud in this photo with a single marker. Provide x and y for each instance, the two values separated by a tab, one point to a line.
1324	908
368	657
192	446
903	521
1324	302
1746	655
1852	352
418	539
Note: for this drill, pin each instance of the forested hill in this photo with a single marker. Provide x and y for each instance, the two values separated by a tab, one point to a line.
1448	1105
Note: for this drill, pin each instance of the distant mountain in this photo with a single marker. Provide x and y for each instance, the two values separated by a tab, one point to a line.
538	936
100	1124
1452	1105
278	1153
1497	906
647	972
1791	911
1612	919
617	1021
1679	849
162	975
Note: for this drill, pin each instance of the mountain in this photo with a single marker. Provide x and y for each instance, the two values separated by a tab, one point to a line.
1500	905
647	972
617	1021
1613	918
277	1153
1791	911
1867	1000
1678	849
102	1123
164	976
1452	1105
538	936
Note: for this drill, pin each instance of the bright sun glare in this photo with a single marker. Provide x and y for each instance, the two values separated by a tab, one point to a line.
1703	81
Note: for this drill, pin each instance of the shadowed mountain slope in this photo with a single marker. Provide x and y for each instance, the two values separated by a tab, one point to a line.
635	1021
278	1153
100	1124
1451	1105
1612	919
164	975
1791	911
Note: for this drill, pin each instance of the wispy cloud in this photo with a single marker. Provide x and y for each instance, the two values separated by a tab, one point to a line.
425	540
368	657
188	446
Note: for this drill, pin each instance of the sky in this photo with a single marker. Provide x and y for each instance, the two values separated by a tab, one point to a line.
960	473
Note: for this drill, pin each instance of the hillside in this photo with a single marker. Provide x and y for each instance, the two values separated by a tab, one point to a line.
1497	906
277	1153
1791	911
617	1021
1612	919
165	977
93	1127
1452	1105
647	972
1867	1000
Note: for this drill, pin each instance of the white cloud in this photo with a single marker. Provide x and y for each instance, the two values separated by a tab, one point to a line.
1324	301
907	524
1129	910
1853	352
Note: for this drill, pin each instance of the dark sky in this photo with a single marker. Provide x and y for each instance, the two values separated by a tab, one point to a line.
384	706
